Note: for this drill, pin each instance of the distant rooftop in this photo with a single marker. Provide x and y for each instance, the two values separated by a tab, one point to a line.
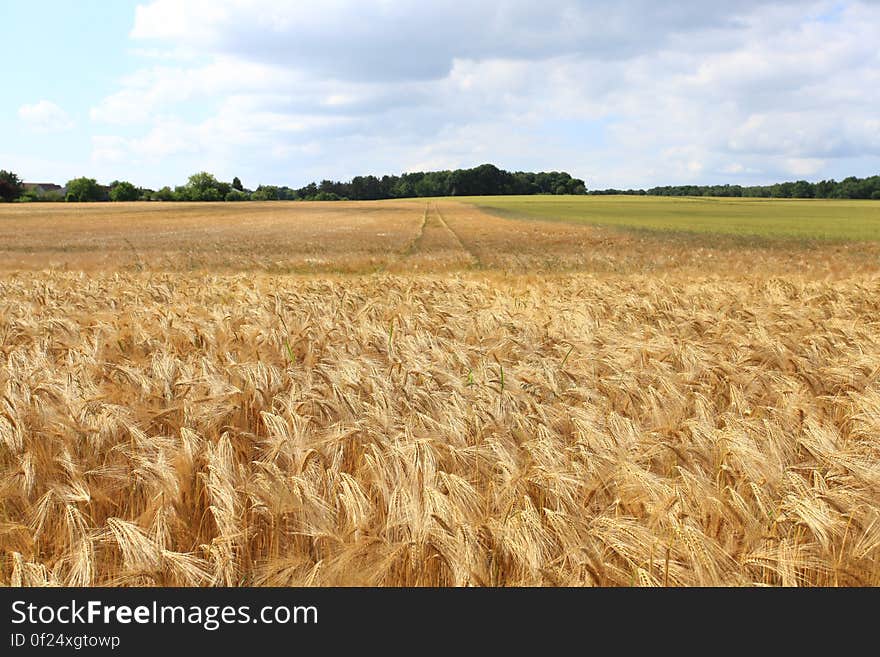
45	186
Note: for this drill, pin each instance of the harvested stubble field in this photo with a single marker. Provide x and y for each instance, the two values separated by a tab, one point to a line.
411	393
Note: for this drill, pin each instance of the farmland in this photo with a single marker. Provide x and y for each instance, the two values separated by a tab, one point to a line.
550	235
427	393
799	219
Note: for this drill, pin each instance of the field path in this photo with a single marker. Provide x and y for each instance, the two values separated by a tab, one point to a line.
437	244
474	257
416	242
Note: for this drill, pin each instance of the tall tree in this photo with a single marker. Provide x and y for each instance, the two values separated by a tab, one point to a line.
83	190
123	191
203	186
11	186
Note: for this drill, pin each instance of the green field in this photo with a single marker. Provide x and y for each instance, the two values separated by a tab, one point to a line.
804	219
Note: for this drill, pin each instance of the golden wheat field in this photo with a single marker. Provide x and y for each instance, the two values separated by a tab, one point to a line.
422	394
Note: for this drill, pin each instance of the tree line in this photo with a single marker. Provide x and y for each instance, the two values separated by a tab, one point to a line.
848	188
484	180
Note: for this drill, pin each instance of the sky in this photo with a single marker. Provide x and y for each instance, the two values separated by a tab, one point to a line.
626	93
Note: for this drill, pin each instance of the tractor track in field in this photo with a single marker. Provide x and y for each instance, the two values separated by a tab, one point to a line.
416	242
473	256
436	237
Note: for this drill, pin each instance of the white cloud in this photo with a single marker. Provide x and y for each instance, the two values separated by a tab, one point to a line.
45	117
800	166
409	39
625	94
147	91
108	149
